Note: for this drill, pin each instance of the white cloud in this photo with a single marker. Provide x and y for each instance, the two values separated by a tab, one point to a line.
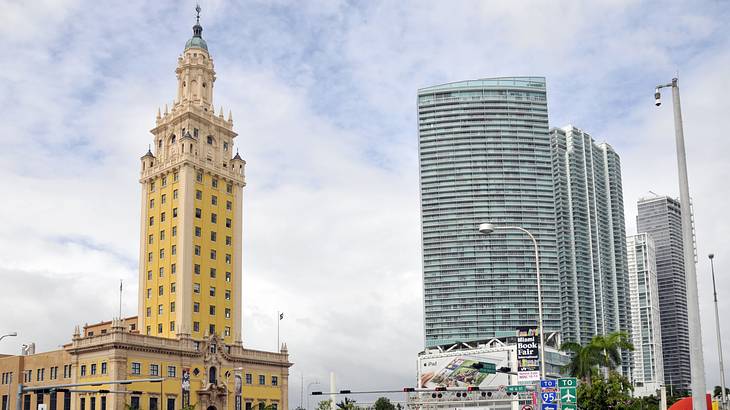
323	98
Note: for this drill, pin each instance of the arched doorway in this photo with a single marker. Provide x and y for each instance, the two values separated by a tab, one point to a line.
211	408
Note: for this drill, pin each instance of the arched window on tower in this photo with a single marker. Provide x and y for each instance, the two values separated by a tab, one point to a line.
172	139
210	140
212	376
159	143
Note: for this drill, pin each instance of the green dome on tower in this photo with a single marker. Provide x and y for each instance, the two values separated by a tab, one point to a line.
197	39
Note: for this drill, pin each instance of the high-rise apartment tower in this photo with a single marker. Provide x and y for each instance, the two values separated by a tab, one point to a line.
648	374
192	193
591	234
485	157
661	218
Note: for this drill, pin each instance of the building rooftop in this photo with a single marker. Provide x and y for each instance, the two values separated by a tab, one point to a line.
530	82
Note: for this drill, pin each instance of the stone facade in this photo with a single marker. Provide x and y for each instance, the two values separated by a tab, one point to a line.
120	354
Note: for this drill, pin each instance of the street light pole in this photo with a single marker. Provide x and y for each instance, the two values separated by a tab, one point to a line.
7	404
697	366
9	334
487	228
723	396
308	386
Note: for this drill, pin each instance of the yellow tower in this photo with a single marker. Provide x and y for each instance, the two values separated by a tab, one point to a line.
192	193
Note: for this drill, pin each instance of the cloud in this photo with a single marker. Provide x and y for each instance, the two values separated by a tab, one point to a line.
323	99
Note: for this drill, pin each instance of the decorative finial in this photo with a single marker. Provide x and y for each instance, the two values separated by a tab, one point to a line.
197	28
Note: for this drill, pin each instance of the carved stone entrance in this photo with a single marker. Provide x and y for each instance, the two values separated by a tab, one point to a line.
213	397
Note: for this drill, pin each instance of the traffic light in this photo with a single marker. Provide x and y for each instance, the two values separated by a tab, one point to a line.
472	388
316	393
408	389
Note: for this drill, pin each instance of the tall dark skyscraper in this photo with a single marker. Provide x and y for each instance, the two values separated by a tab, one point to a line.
660	217
485	157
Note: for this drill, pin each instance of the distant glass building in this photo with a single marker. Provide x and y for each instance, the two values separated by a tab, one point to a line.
591	235
661	217
648	374
485	157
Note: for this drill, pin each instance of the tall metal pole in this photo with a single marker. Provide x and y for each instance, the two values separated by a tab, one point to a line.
539	306
539	295
723	395
697	366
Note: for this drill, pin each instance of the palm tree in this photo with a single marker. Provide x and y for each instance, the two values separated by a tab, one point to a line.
610	347
582	361
346	404
601	351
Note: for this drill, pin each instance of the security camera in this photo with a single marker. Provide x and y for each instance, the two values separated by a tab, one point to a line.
657	98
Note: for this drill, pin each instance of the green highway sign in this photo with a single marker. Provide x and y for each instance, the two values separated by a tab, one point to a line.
516	388
569	407
568	395
568	382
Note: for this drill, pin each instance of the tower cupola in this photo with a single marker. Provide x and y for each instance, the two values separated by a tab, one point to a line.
197	39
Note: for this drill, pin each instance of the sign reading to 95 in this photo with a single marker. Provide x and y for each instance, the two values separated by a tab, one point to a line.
548	397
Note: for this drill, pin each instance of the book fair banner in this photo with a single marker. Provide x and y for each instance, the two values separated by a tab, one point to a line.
528	355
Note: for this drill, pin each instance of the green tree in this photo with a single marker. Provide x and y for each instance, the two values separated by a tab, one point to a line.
263	406
583	360
609	348
324	405
717	392
383	403
601	351
612	393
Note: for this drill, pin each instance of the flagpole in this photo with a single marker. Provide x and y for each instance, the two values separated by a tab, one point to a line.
278	319
120	299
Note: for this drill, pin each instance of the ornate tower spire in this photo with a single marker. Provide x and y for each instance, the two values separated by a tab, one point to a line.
197	28
192	165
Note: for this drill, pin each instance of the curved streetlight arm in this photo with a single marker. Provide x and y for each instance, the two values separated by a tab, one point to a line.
539	291
9	334
308	386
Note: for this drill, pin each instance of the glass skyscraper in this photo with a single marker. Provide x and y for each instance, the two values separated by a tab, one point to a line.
648	374
484	152
591	234
661	217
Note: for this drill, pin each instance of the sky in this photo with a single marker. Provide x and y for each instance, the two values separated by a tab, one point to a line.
323	96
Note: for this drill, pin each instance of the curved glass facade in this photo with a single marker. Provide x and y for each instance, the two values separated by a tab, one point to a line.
485	156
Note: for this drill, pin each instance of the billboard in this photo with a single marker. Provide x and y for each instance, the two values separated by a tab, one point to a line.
462	368
528	355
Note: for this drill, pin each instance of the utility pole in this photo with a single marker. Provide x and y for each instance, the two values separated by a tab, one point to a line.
723	395
697	365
